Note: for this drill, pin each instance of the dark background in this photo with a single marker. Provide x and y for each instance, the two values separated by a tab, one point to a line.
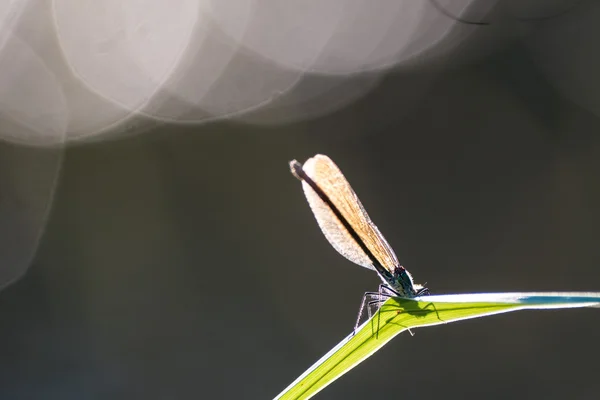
185	263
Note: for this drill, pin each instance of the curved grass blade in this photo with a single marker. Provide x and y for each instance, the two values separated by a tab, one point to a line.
398	314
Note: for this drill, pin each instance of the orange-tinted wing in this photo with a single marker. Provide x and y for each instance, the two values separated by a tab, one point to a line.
323	171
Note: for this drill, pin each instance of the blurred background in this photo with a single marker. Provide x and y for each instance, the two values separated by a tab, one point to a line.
154	244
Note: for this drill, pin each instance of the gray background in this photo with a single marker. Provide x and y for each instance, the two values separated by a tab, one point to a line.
185	263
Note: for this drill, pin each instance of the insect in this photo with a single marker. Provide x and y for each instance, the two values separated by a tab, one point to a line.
348	228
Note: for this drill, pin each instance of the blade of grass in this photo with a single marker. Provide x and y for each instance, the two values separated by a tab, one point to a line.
399	314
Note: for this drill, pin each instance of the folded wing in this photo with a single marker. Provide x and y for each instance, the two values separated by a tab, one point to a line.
323	171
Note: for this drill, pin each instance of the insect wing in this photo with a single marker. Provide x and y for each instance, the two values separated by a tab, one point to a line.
323	171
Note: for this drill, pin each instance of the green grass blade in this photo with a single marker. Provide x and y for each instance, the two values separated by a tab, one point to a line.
398	314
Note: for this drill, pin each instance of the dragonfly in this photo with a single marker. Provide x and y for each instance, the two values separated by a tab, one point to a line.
348	228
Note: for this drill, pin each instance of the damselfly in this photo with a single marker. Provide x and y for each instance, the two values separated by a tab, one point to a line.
348	228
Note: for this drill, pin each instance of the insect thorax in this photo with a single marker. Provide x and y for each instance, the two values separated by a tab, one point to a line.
401	281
